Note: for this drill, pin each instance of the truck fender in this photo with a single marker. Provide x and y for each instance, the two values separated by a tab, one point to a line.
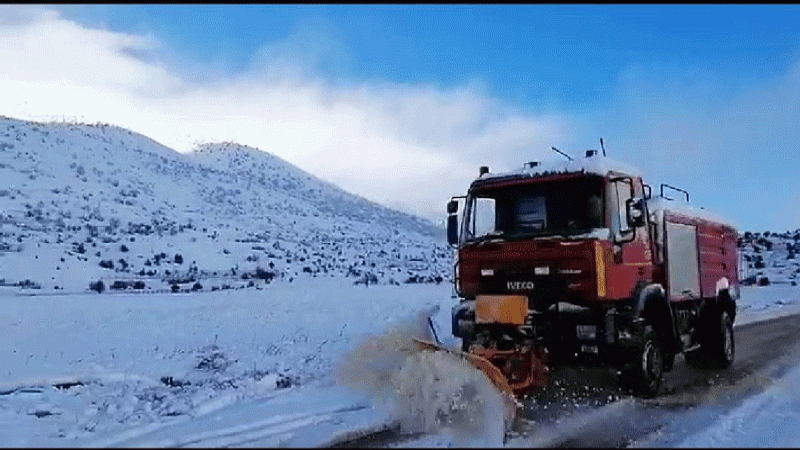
722	284
652	305
727	303
723	300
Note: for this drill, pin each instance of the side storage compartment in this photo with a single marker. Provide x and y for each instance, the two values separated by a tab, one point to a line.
683	268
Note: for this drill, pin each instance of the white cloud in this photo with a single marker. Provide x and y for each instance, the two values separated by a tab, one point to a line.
406	145
732	143
38	46
410	146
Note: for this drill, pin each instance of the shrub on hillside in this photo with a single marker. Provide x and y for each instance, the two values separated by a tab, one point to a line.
264	274
98	286
367	279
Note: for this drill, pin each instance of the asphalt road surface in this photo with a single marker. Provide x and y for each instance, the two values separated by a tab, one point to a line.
585	407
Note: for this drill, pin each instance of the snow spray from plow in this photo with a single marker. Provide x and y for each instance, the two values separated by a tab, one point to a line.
430	388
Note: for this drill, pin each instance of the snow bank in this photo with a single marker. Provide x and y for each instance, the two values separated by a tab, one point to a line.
766	302
766	420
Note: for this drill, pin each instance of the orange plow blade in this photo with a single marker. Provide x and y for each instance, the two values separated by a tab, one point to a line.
524	370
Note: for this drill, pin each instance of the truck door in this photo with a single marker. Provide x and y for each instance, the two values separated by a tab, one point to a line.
631	256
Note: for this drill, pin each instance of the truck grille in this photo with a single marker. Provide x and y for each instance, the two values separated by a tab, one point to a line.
540	289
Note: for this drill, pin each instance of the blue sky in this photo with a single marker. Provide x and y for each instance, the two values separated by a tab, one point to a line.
524	53
402	103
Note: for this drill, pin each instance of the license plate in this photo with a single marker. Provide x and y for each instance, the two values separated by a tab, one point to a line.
589	349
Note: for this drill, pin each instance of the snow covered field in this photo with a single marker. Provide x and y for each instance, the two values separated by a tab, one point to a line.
140	359
265	368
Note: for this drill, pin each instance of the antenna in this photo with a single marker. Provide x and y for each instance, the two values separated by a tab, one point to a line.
562	153
603	146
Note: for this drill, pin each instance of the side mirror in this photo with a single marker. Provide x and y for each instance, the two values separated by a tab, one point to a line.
452	228
452	207
635	212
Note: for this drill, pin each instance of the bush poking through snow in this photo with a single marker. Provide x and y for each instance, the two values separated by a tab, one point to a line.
172	382
98	286
211	358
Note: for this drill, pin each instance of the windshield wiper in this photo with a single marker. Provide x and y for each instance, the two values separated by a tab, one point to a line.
551	233
497	234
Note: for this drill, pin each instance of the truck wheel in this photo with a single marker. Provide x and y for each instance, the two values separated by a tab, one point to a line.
647	371
722	346
718	348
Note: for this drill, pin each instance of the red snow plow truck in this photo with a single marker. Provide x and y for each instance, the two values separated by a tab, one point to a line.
577	262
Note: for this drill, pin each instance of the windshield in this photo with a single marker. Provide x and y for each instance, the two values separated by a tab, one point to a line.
564	207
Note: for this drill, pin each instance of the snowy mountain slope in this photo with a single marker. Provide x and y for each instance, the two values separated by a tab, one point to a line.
76	196
769	258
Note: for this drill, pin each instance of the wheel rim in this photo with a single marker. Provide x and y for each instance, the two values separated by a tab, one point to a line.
727	339
652	363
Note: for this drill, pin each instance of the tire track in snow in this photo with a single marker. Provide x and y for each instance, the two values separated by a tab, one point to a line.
267	433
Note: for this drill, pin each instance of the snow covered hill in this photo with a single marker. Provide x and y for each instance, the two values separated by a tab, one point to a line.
101	206
770	258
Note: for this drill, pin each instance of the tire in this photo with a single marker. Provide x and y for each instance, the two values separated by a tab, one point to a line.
718	347
646	372
722	345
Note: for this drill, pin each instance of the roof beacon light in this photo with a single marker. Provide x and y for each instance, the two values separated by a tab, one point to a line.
590	153
532	164
483	170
